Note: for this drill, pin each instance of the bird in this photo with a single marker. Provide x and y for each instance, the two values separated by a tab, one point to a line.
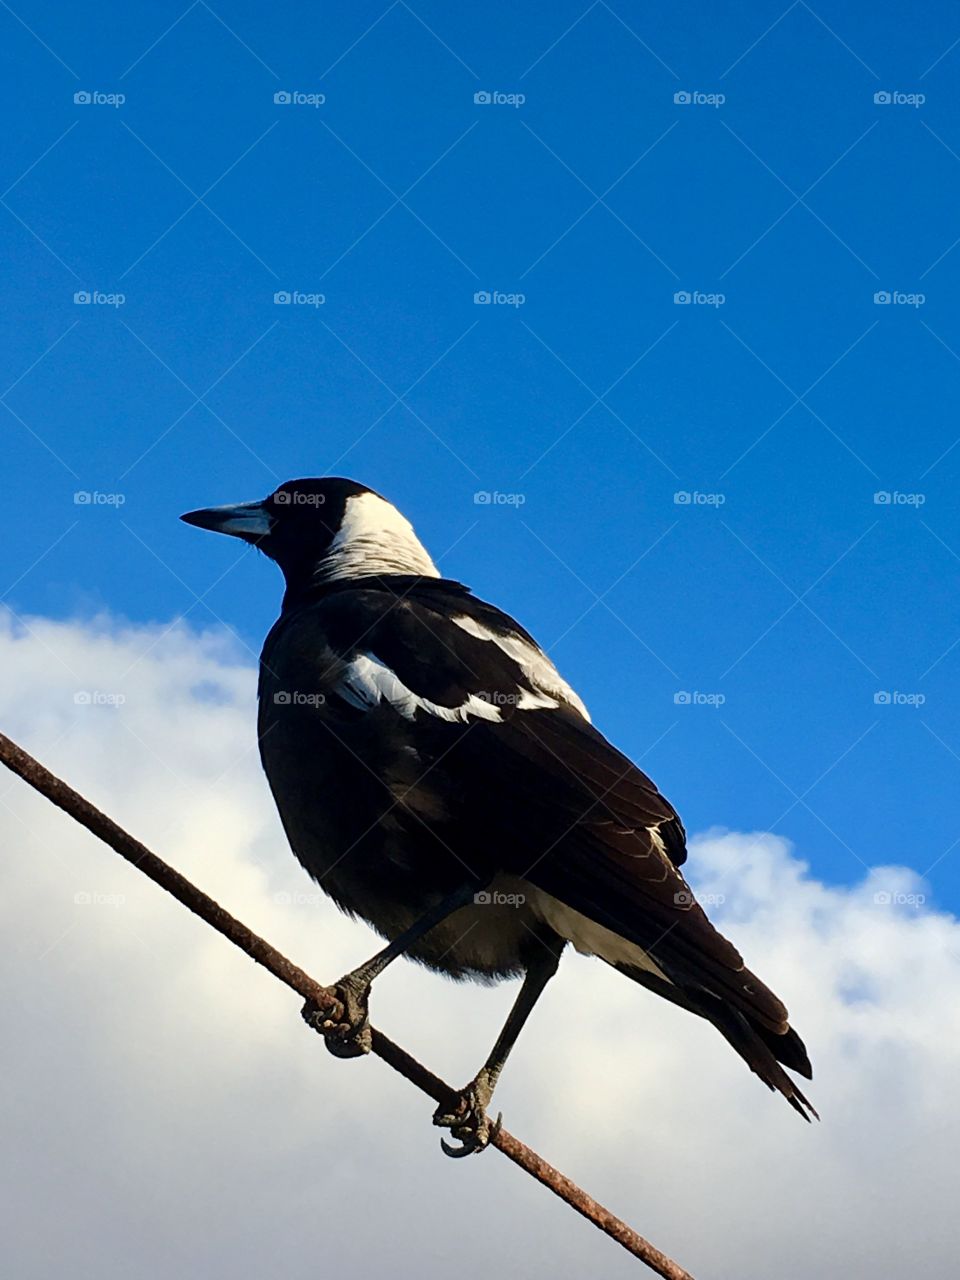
439	779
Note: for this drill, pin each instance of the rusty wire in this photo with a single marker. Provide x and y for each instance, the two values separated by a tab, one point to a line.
72	803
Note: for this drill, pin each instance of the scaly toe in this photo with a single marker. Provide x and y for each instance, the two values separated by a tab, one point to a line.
350	1038
468	1123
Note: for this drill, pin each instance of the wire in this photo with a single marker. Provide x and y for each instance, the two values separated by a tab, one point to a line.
161	873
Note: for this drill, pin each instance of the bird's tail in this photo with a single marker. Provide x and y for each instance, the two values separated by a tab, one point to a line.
763	1050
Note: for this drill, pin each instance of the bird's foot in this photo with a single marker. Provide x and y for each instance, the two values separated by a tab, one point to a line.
467	1119
351	1037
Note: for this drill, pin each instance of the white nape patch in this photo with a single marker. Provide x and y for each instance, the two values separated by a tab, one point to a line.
374	538
588	937
367	682
533	662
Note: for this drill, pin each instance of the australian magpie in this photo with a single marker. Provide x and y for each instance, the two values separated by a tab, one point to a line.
437	777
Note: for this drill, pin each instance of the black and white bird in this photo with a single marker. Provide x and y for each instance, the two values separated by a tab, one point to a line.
437	777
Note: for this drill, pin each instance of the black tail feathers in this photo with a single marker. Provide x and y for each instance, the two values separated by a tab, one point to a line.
763	1050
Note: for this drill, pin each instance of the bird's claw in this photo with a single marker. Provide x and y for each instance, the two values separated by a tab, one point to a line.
351	1037
468	1121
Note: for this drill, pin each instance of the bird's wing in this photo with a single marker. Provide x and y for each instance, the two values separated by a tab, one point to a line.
437	648
558	804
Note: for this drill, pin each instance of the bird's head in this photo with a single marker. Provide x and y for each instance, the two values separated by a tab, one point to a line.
323	531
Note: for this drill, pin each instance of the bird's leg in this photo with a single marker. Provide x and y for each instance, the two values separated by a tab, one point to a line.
350	1037
467	1119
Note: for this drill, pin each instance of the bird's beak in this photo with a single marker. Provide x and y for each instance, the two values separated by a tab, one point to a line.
247	520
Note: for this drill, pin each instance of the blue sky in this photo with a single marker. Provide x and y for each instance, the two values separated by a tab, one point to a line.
782	196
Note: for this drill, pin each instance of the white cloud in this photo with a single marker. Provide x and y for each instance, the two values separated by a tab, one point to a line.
164	1110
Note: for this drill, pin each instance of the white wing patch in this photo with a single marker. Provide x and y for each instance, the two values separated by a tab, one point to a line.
528	700
534	664
657	838
366	682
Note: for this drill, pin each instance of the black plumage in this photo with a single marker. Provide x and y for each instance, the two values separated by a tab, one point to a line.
420	746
